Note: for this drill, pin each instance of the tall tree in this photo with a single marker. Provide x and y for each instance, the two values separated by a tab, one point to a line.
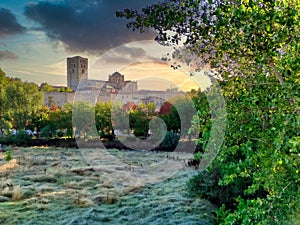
18	99
3	83
254	47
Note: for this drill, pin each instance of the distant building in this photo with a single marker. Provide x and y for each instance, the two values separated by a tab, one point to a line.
77	69
57	98
118	84
77	77
116	88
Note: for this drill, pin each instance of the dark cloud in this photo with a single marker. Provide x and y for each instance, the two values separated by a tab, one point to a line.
7	55
86	25
9	24
124	55
131	52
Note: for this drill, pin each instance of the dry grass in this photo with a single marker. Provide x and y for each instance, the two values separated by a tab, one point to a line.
8	166
7	192
17	193
83	202
82	199
42	178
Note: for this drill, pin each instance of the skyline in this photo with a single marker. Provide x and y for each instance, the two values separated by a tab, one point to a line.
37	37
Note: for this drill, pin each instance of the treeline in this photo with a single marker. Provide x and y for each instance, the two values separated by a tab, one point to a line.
45	87
23	112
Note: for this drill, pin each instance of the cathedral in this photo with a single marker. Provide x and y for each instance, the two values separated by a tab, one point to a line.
77	79
115	88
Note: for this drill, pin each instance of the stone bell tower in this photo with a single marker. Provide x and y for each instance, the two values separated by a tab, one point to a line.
77	69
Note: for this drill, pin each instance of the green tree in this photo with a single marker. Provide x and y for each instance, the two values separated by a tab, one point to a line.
139	123
140	117
254	47
5	126
20	99
60	122
120	117
103	118
203	114
45	87
83	118
3	82
39	119
148	108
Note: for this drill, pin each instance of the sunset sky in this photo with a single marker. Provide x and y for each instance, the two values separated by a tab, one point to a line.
36	37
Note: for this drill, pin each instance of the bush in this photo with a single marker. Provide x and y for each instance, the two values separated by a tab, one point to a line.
206	185
141	132
8	156
7	140
170	140
46	132
21	138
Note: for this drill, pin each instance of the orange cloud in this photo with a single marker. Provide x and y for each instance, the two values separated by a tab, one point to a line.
156	75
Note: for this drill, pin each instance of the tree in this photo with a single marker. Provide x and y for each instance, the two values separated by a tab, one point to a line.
3	82
120	116
254	47
60	122
45	87
103	118
83	118
140	117
139	122
170	115
20	100
39	119
165	108
5	126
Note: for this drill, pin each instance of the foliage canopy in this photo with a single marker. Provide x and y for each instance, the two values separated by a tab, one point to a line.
253	46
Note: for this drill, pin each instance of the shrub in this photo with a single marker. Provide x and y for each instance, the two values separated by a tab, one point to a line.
170	141
206	185
46	132
8	156
6	140
21	138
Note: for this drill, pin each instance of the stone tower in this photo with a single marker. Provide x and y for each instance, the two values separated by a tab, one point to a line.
77	69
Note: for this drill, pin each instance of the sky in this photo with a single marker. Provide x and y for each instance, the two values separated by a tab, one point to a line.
36	37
